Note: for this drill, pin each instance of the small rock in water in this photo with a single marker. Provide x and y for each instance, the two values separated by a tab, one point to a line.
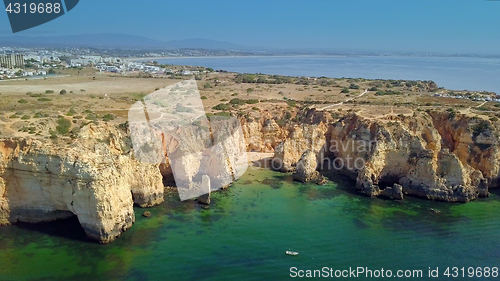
146	214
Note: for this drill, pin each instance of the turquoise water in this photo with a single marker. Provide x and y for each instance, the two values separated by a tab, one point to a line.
456	73
245	233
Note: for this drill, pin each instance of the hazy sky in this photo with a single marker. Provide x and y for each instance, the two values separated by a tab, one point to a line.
449	26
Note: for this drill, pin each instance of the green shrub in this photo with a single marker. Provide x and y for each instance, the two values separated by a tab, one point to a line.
108	117
63	92
49	91
203	97
221	106
482	127
281	122
237	101
26	117
252	101
44	99
345	91
71	112
40	115
91	117
63	126
181	108
22	101
388	93
207	86
224	114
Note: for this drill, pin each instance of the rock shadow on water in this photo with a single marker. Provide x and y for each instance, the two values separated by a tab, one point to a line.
421	224
314	192
68	228
495	192
137	275
210	217
359	224
274	183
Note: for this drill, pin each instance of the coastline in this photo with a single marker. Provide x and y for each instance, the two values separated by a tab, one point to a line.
452	74
230	57
316	56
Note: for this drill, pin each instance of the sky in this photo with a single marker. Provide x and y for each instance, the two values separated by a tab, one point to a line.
428	26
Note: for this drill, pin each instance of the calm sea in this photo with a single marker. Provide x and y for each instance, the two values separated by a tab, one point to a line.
456	73
245	233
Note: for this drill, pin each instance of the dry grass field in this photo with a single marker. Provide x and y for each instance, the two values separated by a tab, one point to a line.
39	107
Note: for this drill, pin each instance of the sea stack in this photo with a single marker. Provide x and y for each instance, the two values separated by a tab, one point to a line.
205	186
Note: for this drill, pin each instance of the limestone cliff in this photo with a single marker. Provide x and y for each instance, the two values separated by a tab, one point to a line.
301	138
306	168
436	156
95	176
263	135
92	177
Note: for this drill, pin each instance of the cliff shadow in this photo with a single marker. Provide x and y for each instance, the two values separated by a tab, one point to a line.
68	228
495	191
343	181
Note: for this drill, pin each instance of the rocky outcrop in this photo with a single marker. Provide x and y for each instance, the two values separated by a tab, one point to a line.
91	177
215	149
394	192
263	135
423	154
435	155
301	138
205	185
306	168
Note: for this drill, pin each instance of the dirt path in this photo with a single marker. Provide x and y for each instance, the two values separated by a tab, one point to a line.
347	100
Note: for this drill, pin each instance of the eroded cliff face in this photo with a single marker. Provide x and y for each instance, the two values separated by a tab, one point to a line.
301	138
92	177
287	141
215	148
435	156
263	135
97	178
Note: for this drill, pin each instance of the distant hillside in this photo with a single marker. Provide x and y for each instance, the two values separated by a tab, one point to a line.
115	41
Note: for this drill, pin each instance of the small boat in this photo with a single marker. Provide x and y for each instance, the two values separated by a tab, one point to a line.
290	253
435	211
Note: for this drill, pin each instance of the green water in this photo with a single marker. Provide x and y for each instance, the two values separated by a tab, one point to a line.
245	233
